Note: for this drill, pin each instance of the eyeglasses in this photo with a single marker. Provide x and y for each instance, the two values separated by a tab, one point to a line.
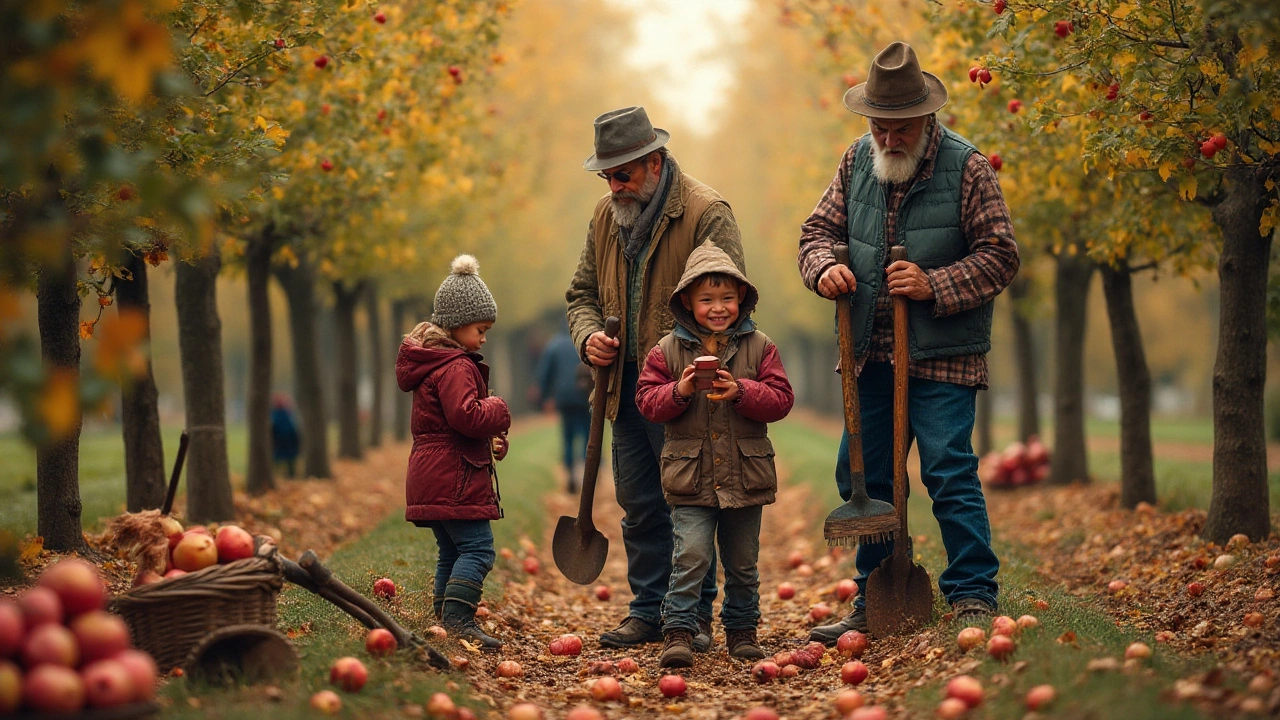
621	176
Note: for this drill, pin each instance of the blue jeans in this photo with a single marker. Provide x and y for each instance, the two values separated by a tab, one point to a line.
697	530
575	425
465	551
646	521
940	421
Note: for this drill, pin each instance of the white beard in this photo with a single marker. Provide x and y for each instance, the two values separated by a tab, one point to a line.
627	213
897	167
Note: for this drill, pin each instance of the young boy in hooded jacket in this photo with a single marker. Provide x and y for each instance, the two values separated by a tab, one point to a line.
458	431
717	461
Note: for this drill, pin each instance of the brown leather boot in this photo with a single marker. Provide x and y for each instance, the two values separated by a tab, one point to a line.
677	649
743	645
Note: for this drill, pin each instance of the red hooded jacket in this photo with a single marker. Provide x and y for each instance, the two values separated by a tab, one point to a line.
453	419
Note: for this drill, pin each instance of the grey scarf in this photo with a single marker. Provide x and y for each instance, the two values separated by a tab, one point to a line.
635	238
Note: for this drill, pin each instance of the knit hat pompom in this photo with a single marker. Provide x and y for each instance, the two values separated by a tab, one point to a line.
463	298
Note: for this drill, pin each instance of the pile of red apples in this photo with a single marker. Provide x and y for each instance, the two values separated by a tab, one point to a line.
61	651
1017	465
196	548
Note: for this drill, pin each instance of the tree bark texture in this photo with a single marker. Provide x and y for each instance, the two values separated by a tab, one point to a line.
139	411
1024	357
402	405
345	299
299	287
259	475
379	369
200	349
1240	502
58	506
1071	294
1137	471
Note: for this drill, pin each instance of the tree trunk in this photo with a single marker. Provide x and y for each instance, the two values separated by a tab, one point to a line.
259	475
200	348
1240	503
299	287
402	405
58	505
139	413
982	428
378	366
1024	360
1137	472
1071	293
348	371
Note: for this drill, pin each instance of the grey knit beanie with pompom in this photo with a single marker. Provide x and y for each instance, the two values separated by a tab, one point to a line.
463	298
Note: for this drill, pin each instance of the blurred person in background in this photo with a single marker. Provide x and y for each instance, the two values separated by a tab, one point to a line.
285	440
564	385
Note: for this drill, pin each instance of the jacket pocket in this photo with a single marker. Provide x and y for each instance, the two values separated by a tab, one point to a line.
758	472
681	466
475	464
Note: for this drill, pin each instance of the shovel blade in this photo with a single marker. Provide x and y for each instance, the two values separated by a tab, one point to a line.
899	597
579	555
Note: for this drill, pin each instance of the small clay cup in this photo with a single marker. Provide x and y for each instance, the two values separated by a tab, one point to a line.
704	371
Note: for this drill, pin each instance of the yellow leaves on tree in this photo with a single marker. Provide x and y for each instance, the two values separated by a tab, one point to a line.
126	49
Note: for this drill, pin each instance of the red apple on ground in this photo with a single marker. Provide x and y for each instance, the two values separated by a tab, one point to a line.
795	559
570	644
78	584
606	689
53	689
786	591
1195	589
40	606
438	632
440	705
584	712
531	565
853	672
233	543
761	713
10	687
1000	646
380	642
1116	586
348	673
195	551
951	709
510	669
1137	651
1040	696
870	712
672	686
846	589
326	702
11	628
384	588
1026	622
1254	619
52	645
1004	625
764	671
106	683
819	612
100	634
848	700
142	673
600	667
970	638
788	671
628	666
524	711
603	592
965	688
852	644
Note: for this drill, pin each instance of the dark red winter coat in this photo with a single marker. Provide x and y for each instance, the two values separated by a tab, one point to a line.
450	469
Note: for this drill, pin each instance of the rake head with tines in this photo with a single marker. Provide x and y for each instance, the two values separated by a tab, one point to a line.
860	521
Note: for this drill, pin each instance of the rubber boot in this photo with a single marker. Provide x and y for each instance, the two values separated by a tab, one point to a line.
460	600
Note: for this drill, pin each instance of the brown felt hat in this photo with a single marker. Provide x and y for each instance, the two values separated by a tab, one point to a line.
622	136
896	88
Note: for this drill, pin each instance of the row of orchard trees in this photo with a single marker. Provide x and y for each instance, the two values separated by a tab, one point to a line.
324	142
1132	137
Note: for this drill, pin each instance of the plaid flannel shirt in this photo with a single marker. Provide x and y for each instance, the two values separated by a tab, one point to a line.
968	283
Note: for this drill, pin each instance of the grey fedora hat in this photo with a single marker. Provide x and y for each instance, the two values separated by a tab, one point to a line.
896	88
622	136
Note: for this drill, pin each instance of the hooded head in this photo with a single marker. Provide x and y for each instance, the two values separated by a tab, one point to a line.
709	262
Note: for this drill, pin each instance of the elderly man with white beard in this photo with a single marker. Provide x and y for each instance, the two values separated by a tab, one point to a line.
640	236
911	182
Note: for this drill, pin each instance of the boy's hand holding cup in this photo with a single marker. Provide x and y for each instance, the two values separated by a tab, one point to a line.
726	388
687	384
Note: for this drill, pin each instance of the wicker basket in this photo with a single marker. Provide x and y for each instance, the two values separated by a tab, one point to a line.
168	618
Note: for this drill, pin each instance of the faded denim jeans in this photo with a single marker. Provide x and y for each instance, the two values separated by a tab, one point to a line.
940	422
697	531
465	551
646	521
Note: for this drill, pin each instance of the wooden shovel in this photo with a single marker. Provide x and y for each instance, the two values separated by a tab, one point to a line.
578	547
899	592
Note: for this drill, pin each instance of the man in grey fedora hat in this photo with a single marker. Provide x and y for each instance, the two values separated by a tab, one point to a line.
640	235
911	182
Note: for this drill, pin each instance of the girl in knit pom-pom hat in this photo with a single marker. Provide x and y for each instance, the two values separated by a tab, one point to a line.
458	431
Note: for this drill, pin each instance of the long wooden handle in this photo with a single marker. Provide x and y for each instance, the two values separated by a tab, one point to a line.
849	386
901	360
599	401
177	472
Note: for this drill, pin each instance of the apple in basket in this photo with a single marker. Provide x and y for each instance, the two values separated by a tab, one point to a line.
195	551
233	543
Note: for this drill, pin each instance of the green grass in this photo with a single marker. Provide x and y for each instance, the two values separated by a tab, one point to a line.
809	455
407	554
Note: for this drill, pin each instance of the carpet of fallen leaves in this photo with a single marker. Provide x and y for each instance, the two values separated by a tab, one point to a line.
1081	538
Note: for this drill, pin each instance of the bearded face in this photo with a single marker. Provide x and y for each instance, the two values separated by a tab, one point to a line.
898	147
627	204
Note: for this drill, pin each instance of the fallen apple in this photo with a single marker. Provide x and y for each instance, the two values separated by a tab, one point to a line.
848	700
380	642
869	712
384	588
795	559
524	711
672	686
764	671
970	638
531	565
1116	586
584	712
628	666
819	612
761	712
440	705
510	669
852	644
348	673
1000	646
606	689
326	702
603	593
846	589
951	709
438	632
1254	619
1137	651
1004	625
786	591
1026	622
788	671
853	672
965	688
571	644
1040	696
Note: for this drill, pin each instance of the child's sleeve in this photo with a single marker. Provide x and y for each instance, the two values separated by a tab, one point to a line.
655	391
466	410
768	398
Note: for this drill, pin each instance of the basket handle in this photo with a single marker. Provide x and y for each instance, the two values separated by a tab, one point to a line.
177	471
